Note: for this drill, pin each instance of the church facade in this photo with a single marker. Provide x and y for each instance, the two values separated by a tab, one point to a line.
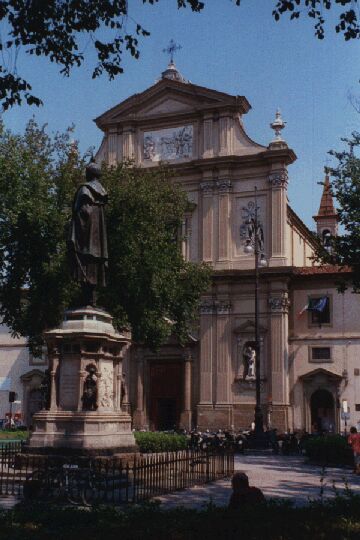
309	358
309	369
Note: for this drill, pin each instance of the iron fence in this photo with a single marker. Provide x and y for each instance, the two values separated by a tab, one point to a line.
85	481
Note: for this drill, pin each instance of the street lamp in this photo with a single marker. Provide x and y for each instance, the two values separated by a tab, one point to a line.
254	246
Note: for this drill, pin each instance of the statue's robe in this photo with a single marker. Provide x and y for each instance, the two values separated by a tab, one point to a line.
88	241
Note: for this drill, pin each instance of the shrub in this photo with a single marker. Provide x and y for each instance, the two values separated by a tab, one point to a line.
12	434
329	450
336	519
149	441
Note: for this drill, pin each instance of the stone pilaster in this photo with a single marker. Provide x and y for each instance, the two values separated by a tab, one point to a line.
186	413
207	311
128	143
223	352
279	307
113	157
139	415
226	135
207	187
278	181
208	136
224	187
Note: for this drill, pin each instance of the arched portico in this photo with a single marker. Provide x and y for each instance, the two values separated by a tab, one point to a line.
32	400
321	389
322	407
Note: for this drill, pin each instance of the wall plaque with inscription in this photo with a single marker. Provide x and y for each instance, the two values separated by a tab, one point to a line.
168	144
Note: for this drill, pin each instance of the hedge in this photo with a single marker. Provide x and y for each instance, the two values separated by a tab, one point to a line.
329	450
336	519
149	441
13	434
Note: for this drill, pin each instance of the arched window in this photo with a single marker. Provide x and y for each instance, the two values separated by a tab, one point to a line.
326	239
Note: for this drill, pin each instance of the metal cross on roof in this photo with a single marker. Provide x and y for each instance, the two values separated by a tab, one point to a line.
171	49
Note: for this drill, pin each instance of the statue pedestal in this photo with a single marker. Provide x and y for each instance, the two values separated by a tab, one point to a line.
85	414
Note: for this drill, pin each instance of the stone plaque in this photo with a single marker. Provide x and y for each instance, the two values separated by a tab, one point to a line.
168	144
69	384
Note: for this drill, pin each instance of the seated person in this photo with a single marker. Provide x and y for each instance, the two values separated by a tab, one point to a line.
243	494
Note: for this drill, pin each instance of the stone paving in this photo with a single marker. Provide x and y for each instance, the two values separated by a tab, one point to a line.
277	476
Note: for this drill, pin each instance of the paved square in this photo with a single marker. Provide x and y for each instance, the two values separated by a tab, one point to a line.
276	476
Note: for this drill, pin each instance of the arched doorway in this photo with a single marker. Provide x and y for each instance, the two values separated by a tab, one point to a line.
322	411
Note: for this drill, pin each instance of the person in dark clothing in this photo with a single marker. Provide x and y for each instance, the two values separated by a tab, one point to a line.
243	494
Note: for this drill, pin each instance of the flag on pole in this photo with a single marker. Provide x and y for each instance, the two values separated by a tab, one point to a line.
318	304
314	304
303	310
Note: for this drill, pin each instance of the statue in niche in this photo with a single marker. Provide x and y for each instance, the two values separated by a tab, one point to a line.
87	243
249	356
248	226
89	397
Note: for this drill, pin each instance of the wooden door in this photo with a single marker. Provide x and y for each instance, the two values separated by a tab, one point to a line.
166	395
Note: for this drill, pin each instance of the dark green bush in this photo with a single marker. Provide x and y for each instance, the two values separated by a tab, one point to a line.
329	450
149	441
337	519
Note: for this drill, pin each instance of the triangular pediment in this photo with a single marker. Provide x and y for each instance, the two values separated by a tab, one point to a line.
321	372
166	106
168	97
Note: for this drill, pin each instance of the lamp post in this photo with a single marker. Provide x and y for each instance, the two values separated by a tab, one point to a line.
253	246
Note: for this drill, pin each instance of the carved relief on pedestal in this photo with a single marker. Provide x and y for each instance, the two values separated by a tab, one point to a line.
90	392
106	387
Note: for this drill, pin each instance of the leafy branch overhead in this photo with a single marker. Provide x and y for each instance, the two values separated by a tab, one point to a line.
347	22
64	30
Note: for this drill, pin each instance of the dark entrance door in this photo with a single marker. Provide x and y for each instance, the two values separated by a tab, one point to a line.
322	411
166	382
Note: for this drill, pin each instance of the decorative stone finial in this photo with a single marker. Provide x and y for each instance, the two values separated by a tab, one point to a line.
277	125
172	73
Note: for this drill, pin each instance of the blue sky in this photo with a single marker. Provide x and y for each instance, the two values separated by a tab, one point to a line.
239	50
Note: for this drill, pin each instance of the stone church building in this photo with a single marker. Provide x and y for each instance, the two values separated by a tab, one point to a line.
309	364
310	367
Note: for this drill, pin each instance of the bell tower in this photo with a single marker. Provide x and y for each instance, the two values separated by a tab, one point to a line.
327	218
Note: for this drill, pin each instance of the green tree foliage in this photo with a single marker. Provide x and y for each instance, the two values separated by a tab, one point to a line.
346	188
150	286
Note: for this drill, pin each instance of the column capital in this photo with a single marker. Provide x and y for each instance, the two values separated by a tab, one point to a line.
223	307
207	307
279	179
224	185
207	187
279	303
187	356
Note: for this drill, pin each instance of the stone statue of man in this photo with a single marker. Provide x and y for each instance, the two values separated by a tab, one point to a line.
88	242
249	361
